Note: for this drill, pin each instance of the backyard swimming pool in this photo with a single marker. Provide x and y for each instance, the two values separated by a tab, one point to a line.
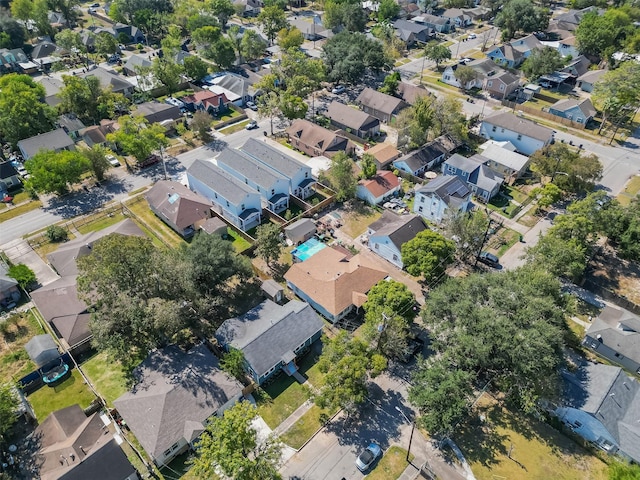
307	250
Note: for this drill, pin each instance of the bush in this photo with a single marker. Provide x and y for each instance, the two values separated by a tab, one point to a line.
315	201
56	234
23	275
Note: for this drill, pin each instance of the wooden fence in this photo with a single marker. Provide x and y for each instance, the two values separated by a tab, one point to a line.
546	115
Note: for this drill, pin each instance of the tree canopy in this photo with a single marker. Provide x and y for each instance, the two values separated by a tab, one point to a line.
542	61
272	19
437	52
467	230
348	55
23	275
602	35
268	243
342	177
521	16
8	405
570	169
86	98
137	137
53	172
617	94
427	255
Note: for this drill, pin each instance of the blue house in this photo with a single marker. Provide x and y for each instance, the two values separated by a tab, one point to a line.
480	179
237	202
273	187
390	232
601	403
427	157
580	111
271	337
440	196
514	53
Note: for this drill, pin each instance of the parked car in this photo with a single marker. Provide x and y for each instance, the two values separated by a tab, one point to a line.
91	10
338	89
175	102
366	458
544	84
113	160
251	125
252	106
472	36
489	259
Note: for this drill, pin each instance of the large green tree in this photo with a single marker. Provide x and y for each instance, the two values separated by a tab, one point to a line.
542	61
467	230
290	38
231	444
437	53
562	257
268	243
86	98
521	16
272	19
23	113
168	73
342	177
53	172
137	137
8	406
348	55
97	156
427	255
568	168
23	275
388	10
252	45
617	94
601	35
195	68
222	9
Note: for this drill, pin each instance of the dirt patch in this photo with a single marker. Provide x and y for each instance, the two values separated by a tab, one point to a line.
615	275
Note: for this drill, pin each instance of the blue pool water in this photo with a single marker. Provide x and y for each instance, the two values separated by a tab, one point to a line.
308	249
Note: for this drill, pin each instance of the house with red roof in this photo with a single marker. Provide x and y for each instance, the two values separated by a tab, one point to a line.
374	190
208	101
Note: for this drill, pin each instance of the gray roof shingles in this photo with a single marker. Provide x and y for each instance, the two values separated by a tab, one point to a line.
223	183
265	153
248	167
525	127
54	140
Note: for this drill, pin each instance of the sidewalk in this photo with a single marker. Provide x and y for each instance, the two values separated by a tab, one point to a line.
293	418
19	251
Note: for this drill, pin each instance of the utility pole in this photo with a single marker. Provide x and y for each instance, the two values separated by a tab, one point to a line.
413	427
484	238
381	328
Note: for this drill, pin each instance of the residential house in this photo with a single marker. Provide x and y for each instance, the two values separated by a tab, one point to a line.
212	103
46	53
174	396
569	21
212	226
110	80
412	33
315	140
136	63
515	52
409	93
52	87
333	281
354	121
71	124
301	181
155	112
580	111
272	186
589	79
506	162
97	134
615	335
376	189
15	60
438	24
384	153
457	17
311	30
478	13
178	207
601	403
390	232
237	202
485	68
56	140
428	156
441	196
481	180
119	30
272	337
272	290
251	7
9	177
525	135
238	86
380	105
300	231
577	67
9	290
502	85
73	446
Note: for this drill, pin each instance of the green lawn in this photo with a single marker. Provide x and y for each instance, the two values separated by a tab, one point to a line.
101	223
16	332
156	226
107	376
303	429
239	243
280	399
356	221
630	190
391	465
503	240
73	390
9	213
502	204
236	127
529	219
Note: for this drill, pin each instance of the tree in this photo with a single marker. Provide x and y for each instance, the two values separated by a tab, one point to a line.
223	53
343	179
437	52
467	230
23	113
618	92
388	10
389	313
138	138
299	74
272	19
348	55
97	156
346	15
546	195
390	84
252	46
448	118
428	254
269	106
560	257
222	9
233	363
22	9
441	393
168	73
521	16
505	330
231	444
172	42
23	275
68	8
105	43
623	471
541	62
368	166
86	98
347	363
601	35
465	75
292	106
8	405
569	169
290	38
195	68
201	124
56	234
268	243
52	172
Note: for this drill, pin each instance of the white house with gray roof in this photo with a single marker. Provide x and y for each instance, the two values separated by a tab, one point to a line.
441	196
237	202
525	135
271	337
300	178
481	180
601	403
174	396
272	186
506	162
56	140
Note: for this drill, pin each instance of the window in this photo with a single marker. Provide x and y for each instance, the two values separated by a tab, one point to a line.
395	257
490	84
519	137
502	130
306	174
171	449
617	355
215	195
501	87
227	204
242	207
246	181
377	246
421	199
273	192
419	209
494	128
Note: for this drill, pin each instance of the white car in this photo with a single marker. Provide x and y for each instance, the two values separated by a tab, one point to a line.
472	36
368	456
113	160
338	90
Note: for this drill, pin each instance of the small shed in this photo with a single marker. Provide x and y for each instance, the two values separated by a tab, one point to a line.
272	290
212	226
530	90
300	230
42	350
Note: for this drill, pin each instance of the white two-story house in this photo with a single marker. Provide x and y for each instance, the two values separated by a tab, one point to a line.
525	135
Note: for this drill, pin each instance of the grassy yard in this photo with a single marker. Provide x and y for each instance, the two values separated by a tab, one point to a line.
529	219
357	220
180	468
73	390
503	240
502	204
537	450
391	465
239	242
236	127
47	247
303	429
106	375
630	190
280	399
156	226
100	222
14	361
12	212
